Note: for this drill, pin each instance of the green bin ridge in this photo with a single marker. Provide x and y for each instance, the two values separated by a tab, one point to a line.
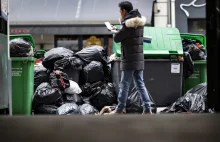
22	85
165	42
200	67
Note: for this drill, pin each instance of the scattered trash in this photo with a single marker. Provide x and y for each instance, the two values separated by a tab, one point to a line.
73	89
46	109
135	104
68	108
60	80
54	55
104	96
20	48
87	109
68	63
195	52
45	95
93	72
93	53
194	101
69	98
188	65
40	75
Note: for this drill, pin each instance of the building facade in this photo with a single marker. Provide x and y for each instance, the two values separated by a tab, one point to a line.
69	23
191	16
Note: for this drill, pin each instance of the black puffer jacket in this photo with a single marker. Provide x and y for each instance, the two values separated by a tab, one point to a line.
131	38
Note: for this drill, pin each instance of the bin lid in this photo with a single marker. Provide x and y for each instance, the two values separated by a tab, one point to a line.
199	37
165	42
28	37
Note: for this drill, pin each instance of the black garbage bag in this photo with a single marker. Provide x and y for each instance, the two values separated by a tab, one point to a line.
68	63
46	95
107	73
194	101
40	75
135	104
46	109
59	79
188	65
68	108
87	109
93	53
54	55
69	98
89	89
93	72
104	96
190	47
20	48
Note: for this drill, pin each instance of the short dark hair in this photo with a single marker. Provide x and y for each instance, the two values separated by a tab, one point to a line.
126	5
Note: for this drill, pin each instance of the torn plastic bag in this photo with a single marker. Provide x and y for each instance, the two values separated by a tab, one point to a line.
68	108
55	54
68	63
104	96
40	75
188	65
59	79
46	109
87	109
73	89
46	95
69	98
20	48
93	53
194	101
135	104
89	89
93	72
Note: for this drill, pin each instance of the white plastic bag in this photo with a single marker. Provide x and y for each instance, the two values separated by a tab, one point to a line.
73	89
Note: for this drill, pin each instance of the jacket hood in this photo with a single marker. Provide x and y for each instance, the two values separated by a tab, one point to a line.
134	19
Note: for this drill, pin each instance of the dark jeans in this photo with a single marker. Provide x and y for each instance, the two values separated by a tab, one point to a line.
126	78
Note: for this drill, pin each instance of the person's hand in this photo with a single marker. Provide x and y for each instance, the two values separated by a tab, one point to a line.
114	28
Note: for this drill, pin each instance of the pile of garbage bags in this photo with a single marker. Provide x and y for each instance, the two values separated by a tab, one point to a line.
194	101
193	50
55	93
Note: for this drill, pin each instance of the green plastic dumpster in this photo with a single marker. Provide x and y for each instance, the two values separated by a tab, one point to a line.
200	66
40	53
22	80
22	85
163	71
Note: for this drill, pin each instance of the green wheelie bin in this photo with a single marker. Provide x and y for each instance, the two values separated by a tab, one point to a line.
200	66
22	80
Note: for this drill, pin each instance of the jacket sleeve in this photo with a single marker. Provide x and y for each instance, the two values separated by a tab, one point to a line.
121	35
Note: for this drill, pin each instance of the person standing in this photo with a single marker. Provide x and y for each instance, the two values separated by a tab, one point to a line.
132	57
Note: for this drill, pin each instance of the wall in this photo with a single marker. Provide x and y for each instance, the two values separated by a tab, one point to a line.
182	18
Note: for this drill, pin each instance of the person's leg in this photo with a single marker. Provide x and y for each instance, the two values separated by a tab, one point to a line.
141	88
126	77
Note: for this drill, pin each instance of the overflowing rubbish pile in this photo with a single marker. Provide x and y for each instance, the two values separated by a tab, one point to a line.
193	50
19	47
194	101
55	93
